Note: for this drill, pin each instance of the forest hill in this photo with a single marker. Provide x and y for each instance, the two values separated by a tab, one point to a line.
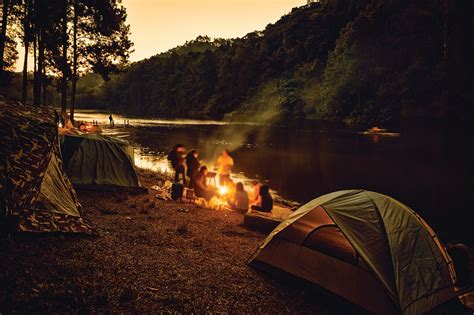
370	62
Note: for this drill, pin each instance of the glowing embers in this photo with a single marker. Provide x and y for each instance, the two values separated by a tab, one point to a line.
221	197
222	190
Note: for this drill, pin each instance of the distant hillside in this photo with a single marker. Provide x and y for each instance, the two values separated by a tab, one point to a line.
370	62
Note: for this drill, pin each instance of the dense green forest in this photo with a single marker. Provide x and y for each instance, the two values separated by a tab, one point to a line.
366	61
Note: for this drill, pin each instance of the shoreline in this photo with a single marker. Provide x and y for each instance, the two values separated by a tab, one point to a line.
150	257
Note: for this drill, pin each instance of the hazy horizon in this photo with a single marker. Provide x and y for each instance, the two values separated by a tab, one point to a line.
159	25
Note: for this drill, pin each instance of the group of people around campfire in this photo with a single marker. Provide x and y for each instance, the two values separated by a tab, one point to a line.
196	176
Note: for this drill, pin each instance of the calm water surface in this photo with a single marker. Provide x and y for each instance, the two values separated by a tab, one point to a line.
428	168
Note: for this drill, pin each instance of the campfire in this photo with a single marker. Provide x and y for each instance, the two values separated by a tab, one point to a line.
223	190
220	199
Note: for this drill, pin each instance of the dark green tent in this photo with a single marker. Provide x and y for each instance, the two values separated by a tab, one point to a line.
98	161
366	247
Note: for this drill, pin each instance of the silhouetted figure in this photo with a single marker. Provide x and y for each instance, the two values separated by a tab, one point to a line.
176	159
56	117
265	200
224	164
111	120
192	165
200	185
63	119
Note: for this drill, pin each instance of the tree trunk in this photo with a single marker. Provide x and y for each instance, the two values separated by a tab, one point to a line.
24	91
6	3
45	86
64	59
36	99
35	61
26	31
74	64
39	70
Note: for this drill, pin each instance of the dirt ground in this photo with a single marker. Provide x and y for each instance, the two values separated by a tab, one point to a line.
149	258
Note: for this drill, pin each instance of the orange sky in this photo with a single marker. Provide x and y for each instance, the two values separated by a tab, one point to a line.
158	25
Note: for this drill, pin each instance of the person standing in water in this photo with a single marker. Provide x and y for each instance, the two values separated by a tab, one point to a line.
111	120
224	165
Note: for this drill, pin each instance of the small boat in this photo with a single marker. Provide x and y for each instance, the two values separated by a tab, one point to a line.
376	131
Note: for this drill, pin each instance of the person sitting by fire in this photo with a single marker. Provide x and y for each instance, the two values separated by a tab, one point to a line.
240	200
255	192
265	200
200	185
176	159
192	165
224	164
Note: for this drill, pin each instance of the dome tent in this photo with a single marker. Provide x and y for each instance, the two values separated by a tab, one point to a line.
36	195
366	247
98	161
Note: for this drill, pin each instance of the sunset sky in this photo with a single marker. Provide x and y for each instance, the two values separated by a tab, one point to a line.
158	25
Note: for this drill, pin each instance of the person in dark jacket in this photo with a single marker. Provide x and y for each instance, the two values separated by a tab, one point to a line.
265	200
176	159
200	185
192	165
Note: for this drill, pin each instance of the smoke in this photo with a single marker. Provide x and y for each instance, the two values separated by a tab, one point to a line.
243	130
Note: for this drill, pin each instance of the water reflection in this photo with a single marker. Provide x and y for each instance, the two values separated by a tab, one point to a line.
102	117
431	171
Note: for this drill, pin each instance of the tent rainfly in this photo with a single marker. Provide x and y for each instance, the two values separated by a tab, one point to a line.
35	193
98	161
365	247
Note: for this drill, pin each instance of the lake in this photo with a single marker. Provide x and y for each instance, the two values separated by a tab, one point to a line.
429	168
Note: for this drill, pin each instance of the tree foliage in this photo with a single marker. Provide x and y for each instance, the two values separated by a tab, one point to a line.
367	61
68	38
383	68
215	77
371	62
